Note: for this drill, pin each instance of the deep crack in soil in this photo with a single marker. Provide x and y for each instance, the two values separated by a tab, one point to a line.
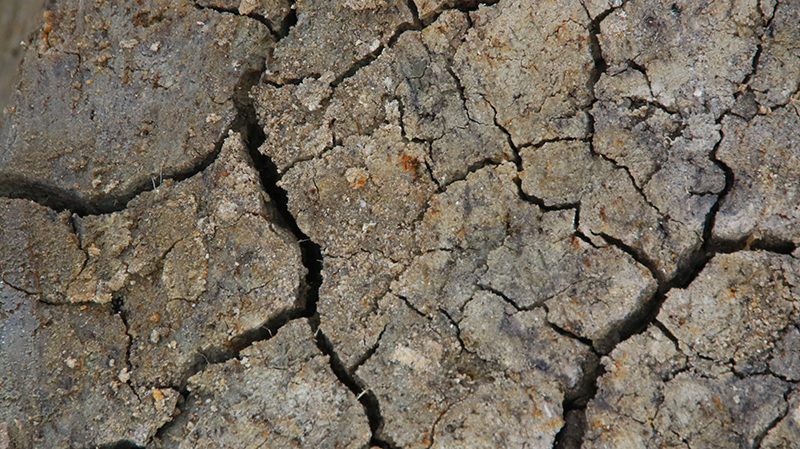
573	433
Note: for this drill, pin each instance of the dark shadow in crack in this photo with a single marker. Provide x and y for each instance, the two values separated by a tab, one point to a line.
308	294
124	444
246	339
600	64
13	186
366	397
222	354
59	199
312	259
711	217
17	186
689	271
289	21
571	434
311	253
286	24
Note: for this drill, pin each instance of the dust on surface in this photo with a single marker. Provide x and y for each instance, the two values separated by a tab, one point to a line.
385	223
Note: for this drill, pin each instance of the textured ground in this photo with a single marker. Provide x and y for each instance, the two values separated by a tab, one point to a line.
403	224
18	19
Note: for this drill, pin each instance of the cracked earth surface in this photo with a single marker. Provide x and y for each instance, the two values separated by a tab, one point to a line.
403	224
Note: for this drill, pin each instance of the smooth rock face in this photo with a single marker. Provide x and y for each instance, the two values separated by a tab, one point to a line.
412	224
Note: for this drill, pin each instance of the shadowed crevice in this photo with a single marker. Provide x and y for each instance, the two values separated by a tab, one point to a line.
19	187
222	354
373	55
305	305
505	298
465	6
540	202
368	353
668	333
714	245
276	34
117	309
58	199
600	64
517	161
415	14
311	253
456	326
231	350
576	225
574	408
124	444
289	21
571	435
637	255
756	61
565	333
759	439
365	396
312	259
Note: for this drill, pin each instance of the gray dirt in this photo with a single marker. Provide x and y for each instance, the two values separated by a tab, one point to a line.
402	224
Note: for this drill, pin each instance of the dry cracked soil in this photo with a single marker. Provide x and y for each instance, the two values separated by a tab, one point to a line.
402	224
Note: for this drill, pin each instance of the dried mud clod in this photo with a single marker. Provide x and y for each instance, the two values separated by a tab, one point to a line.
402	224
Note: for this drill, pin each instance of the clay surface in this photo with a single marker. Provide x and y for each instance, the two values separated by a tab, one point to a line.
402	224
